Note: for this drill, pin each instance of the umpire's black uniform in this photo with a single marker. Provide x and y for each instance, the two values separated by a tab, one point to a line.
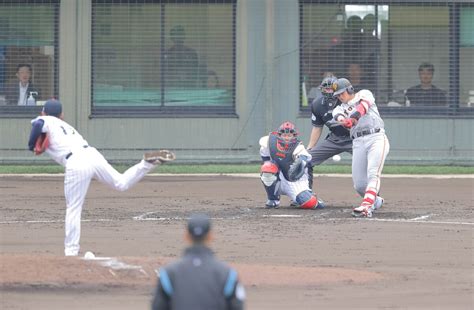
198	281
337	141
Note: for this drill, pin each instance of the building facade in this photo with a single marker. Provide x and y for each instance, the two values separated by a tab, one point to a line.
208	78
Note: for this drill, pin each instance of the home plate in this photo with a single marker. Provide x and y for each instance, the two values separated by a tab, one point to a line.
282	215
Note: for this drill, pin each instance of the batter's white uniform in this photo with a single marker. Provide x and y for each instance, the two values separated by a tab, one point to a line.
82	163
287	188
370	144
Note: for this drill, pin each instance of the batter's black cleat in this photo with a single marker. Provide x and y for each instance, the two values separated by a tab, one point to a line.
272	204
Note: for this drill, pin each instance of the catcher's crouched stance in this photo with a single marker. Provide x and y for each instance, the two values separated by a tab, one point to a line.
284	170
82	163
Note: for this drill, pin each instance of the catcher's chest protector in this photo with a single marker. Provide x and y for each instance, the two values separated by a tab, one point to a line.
281	152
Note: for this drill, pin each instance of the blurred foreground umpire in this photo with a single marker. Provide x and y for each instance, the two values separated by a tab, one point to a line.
198	280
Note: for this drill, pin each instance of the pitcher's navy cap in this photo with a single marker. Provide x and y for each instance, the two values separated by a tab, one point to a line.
53	107
199	226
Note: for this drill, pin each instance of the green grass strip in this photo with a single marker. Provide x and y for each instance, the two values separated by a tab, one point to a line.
246	168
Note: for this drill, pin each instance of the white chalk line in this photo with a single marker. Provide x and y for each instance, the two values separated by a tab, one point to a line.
418	221
53	221
142	217
114	264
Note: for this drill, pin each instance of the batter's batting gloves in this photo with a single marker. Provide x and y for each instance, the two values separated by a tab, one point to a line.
349	122
159	157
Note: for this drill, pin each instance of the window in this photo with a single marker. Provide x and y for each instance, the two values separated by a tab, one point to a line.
153	58
466	56
403	52
28	55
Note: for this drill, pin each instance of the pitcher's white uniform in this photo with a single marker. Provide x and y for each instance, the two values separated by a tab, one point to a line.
370	146
82	163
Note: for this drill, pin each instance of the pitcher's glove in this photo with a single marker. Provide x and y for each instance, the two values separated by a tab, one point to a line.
42	143
296	170
159	157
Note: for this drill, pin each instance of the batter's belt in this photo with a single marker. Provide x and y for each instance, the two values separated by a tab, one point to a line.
365	132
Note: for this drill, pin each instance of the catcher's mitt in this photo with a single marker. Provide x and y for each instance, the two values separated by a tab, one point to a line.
296	170
159	157
42	143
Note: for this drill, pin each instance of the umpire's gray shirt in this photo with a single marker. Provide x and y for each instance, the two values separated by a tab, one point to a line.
198	281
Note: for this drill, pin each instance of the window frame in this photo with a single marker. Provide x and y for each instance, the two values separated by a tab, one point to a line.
161	110
15	111
454	108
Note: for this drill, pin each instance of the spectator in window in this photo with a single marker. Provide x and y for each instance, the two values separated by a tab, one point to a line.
355	73
426	93
212	79
18	90
180	61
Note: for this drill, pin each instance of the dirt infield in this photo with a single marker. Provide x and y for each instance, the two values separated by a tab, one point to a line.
416	253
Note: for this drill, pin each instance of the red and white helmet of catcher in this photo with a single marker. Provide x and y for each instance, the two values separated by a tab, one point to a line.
287	130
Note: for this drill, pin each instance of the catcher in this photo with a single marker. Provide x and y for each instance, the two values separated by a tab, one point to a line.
284	170
82	162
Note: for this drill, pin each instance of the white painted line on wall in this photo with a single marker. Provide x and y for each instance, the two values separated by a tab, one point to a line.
257	175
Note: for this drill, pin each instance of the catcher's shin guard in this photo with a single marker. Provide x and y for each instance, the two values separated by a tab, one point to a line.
306	200
271	182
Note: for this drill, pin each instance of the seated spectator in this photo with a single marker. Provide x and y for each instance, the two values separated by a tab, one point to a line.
18	90
426	93
212	79
181	62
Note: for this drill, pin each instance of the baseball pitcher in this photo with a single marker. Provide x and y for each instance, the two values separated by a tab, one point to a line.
358	112
284	170
82	162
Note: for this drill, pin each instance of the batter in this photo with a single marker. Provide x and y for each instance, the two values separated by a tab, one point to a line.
82	163
370	145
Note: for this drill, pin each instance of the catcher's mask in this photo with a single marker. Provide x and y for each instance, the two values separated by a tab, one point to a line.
287	131
326	85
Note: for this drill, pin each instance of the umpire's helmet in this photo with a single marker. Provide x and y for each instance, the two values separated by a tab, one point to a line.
326	85
342	85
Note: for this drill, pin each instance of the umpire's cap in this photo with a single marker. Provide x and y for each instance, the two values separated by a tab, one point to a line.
199	226
53	107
